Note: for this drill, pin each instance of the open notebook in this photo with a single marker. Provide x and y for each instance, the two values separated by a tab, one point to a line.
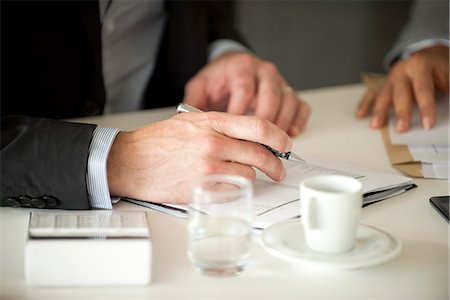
278	201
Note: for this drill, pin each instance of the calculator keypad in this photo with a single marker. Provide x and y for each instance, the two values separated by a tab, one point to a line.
88	224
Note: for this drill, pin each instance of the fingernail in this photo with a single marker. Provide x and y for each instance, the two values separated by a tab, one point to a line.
400	125
294	130
427	123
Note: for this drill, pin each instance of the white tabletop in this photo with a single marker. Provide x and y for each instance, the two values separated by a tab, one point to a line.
420	272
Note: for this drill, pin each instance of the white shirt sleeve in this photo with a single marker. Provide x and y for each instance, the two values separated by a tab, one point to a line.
427	26
96	177
410	49
218	47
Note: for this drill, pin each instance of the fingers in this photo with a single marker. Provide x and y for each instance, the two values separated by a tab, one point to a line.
381	107
243	153
231	141
248	128
424	90
245	83
270	94
289	107
300	119
211	167
441	70
400	93
402	99
412	80
258	156
278	102
366	104
242	84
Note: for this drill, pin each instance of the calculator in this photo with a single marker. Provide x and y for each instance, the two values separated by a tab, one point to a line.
89	223
87	248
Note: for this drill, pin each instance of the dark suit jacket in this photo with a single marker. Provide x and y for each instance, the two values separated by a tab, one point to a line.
51	67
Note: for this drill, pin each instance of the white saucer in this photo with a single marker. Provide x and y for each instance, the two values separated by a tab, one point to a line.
373	247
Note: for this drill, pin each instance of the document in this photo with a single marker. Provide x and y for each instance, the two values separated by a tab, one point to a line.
278	201
430	153
419	152
416	135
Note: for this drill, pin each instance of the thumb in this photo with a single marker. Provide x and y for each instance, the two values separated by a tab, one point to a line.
195	93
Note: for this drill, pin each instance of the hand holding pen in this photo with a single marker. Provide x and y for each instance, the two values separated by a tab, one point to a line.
291	156
158	162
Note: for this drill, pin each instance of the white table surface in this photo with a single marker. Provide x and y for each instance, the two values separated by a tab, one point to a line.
420	272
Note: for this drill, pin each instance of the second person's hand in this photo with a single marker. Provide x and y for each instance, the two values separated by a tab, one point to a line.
413	80
241	83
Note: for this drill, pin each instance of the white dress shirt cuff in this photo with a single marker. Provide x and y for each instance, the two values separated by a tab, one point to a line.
96	177
219	47
410	49
404	52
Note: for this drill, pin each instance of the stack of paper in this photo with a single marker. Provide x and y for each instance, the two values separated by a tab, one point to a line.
419	152
278	201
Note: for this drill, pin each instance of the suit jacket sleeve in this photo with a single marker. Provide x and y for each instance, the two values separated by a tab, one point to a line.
428	20
43	163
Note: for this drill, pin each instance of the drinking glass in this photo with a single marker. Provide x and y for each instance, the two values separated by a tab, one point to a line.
220	224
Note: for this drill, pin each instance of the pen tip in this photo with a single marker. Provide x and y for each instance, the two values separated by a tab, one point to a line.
295	157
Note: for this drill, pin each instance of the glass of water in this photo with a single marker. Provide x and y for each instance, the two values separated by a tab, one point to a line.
220	224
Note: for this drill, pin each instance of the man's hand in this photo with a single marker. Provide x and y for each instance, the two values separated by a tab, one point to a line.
411	80
157	162
240	83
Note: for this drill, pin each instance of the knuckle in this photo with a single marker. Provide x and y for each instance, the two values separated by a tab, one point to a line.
216	119
261	127
243	83
208	167
270	68
417	61
212	143
212	116
245	59
273	93
246	92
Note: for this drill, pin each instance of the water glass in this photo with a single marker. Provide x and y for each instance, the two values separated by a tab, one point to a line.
220	224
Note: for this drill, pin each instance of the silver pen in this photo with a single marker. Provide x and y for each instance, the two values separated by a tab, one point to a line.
291	156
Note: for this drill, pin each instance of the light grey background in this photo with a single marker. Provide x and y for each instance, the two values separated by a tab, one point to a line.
322	43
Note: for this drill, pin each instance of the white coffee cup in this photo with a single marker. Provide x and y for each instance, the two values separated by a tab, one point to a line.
330	211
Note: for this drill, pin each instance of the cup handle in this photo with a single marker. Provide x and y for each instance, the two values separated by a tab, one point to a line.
310	217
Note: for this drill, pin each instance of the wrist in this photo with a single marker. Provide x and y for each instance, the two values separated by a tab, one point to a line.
114	169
